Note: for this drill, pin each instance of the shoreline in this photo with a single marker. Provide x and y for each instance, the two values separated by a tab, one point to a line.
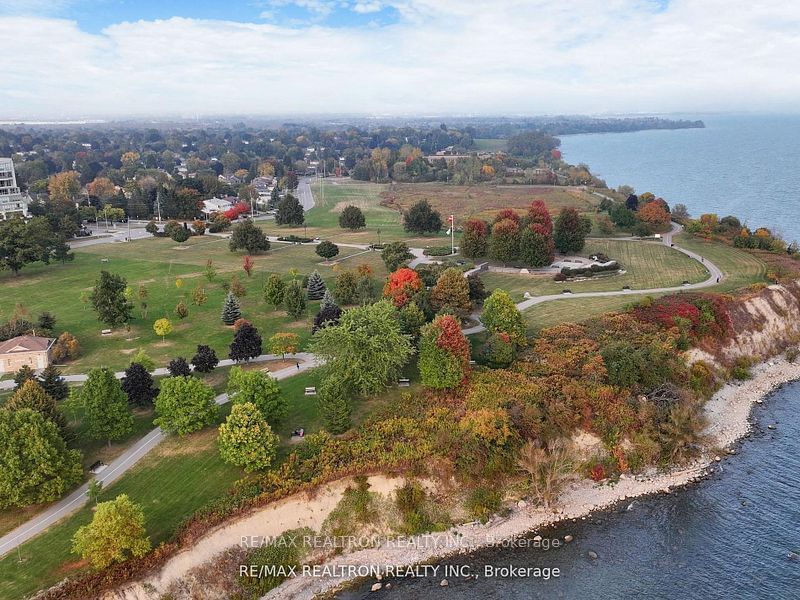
728	413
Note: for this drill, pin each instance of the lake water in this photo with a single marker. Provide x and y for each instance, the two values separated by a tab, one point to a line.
745	166
726	537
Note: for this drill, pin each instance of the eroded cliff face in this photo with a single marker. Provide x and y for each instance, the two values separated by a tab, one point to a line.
764	324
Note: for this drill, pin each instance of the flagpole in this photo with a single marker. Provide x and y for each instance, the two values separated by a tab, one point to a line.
452	234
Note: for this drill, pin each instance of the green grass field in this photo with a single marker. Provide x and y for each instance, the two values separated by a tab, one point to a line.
740	267
647	265
575	310
160	264
490	144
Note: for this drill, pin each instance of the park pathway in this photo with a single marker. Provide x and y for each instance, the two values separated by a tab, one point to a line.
119	466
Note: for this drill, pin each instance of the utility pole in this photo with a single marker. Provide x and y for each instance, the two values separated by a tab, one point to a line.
452	220
158	203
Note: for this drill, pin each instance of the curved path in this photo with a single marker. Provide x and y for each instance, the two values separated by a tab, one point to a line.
715	275
71	503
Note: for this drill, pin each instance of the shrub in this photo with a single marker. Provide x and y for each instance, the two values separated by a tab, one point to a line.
482	502
792	353
295	239
327	249
437	251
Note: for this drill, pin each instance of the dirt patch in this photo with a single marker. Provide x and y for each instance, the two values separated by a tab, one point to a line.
67	568
127	351
277	365
192	444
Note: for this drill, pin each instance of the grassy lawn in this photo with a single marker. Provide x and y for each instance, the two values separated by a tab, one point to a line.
574	311
175	479
740	267
158	264
490	144
647	265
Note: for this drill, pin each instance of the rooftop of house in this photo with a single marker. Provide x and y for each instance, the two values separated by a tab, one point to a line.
26	343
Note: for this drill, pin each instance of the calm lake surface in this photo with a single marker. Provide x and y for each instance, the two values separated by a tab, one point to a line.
727	537
748	166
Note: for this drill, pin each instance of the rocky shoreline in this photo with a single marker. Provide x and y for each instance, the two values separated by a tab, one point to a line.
728	414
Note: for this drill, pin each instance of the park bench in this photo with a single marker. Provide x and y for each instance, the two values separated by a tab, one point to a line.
311	391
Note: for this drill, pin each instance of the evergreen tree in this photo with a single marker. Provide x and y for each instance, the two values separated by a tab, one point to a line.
327	315
24	374
316	286
230	310
274	289
178	367
327	300
334	403
421	218
246	439
246	343
205	359
289	212
32	396
352	218
35	464
53	383
106	405
138	385
294	300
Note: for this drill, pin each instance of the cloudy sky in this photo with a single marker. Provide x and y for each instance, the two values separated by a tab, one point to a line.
101	58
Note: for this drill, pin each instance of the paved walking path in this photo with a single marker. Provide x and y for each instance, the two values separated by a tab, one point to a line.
119	466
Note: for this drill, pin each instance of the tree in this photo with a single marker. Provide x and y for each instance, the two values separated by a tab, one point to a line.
248	236
475	240
178	367
199	296
143	359
65	348
248	264
294	300
327	315
316	286
401	286
16	247
236	287
246	343
205	359
333	401
230	310
345	289
352	218
274	289
327	250
116	532
623	216
35	464
477	291
327	300
246	440
570	231
106	405
64	187
180	234
138	386
32	396
536	247
24	374
655	214
422	219
500	314
259	389
499	351
184	405
151	228
109	300
289	212
162	327
504	243
680	213
632	202
394	255
539	215
181	310
283	343
367	347
53	383
451	293
443	353
47	321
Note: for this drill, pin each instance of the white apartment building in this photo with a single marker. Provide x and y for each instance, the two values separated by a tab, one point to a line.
12	201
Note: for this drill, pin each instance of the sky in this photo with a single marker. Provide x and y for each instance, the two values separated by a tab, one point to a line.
181	58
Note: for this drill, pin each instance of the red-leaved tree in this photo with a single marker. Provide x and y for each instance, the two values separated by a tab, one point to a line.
401	286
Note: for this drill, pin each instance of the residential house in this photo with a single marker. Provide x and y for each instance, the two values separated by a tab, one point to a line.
30	350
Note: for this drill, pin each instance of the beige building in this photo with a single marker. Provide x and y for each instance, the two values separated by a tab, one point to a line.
28	350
